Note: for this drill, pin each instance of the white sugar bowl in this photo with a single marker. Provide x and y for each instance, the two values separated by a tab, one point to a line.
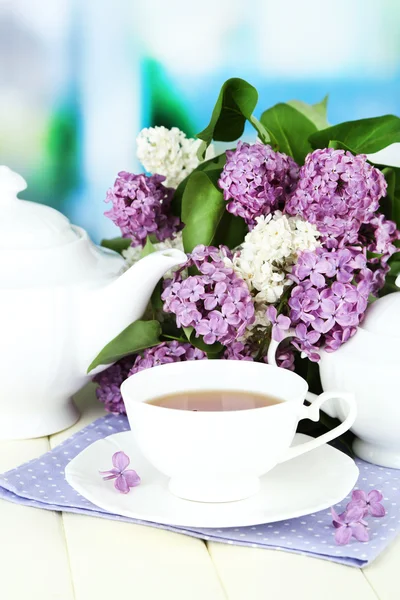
368	365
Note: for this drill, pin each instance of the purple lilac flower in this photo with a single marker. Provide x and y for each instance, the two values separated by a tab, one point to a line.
256	180
166	352
350	524
379	237
306	340
285	358
125	478
109	383
330	298
338	192
379	277
370	503
280	324
216	303
239	351
141	206
247	351
384	235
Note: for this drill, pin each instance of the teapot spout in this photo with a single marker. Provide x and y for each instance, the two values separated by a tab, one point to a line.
109	310
131	292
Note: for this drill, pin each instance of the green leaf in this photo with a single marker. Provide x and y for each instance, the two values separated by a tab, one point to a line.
188	332
364	136
336	145
213	167
394	258
372	255
390	286
316	113
235	104
156	303
174	337
289	130
148	248
395	200
170	329
390	205
215	163
202	209
212	350
387	203
117	244
261	131
394	268
137	336
394	263
231	231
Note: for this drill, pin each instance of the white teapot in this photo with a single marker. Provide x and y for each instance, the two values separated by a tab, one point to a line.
62	299
368	366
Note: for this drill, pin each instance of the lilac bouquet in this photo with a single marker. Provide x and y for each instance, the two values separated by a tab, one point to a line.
292	232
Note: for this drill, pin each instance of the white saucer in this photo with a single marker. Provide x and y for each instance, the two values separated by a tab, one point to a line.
307	484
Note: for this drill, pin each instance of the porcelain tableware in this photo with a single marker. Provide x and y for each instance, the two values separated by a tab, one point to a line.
367	365
62	299
220	456
295	488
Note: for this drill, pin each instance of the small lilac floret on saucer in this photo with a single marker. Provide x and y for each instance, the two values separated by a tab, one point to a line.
125	478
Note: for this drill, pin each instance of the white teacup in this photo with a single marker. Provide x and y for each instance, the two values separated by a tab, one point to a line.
220	456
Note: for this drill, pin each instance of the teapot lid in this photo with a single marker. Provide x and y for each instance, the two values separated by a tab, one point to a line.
28	225
39	247
382	316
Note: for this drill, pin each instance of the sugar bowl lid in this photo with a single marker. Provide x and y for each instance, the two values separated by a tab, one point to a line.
25	224
382	316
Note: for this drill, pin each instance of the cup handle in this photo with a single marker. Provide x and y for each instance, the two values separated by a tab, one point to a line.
274	345
271	357
312	412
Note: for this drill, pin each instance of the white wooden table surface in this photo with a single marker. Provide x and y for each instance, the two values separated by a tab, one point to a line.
51	556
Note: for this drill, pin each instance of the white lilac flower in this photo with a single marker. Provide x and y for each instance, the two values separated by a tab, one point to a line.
269	252
260	320
132	255
167	152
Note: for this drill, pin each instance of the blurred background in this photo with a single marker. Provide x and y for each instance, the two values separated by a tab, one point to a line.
80	78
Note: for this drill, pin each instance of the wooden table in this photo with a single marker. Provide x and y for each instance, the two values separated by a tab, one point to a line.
51	556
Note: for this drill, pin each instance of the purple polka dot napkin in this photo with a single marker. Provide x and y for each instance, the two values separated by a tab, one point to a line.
41	483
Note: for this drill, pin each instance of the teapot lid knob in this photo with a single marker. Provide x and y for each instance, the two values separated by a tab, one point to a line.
11	184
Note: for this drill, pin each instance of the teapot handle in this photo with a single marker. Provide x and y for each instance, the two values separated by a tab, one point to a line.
329	407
